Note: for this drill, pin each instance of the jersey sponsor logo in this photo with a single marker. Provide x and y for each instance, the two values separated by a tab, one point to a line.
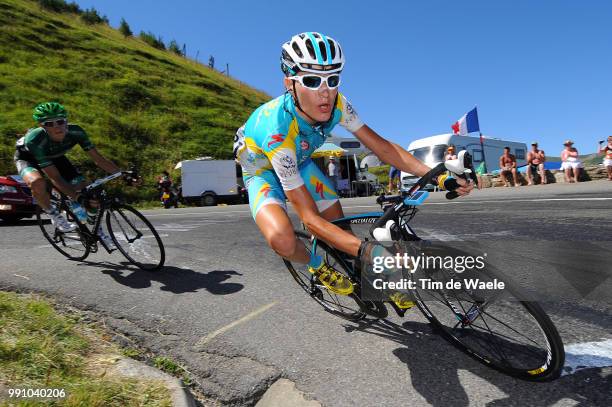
288	172
305	145
287	162
349	109
276	139
321	188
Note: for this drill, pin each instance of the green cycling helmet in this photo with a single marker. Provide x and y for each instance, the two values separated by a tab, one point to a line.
48	110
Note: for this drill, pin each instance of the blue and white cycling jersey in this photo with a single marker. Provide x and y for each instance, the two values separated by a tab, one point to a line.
275	138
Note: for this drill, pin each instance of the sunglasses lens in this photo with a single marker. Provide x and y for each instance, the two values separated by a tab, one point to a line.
53	123
333	81
312	82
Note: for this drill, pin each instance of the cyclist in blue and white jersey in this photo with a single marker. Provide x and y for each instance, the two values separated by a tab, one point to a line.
274	148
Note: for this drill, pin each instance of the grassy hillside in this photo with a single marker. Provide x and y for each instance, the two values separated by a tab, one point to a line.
138	104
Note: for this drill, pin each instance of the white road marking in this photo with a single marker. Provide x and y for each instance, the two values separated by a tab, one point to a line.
586	355
492	201
204	340
152	215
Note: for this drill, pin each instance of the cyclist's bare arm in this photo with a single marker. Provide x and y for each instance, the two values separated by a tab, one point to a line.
396	156
59	182
307	210
390	152
103	163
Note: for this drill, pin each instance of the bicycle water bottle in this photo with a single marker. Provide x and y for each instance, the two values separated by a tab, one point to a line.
79	211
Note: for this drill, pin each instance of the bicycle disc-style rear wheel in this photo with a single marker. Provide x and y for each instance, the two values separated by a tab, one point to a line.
135	237
502	330
73	245
344	306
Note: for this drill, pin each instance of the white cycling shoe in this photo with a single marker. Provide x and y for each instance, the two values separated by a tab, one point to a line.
106	239
61	223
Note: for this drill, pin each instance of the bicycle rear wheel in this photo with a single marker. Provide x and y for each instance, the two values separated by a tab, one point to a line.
344	306
74	245
135	237
501	330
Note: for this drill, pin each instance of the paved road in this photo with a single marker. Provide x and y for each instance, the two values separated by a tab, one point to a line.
227	309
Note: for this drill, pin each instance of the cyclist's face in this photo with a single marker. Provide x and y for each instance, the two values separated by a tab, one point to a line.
55	130
318	104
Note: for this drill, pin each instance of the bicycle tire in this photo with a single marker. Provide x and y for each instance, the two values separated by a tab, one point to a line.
59	239
550	358
129	246
319	292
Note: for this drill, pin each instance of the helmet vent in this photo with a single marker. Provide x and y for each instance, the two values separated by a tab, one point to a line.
297	50
332	49
310	48
323	50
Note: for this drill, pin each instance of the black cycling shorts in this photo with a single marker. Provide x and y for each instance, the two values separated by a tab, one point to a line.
25	163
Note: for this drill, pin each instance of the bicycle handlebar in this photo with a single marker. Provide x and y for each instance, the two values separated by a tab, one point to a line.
132	174
459	167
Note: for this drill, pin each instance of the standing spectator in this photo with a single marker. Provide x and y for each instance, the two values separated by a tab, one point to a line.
450	153
607	151
535	164
211	62
332	172
570	162
394	177
507	165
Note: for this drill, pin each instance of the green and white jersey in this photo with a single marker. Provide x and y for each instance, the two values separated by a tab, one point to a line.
38	143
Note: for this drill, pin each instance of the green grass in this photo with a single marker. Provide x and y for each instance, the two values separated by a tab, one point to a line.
138	104
42	349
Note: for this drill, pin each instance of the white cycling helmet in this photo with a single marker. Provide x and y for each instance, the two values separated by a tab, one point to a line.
311	52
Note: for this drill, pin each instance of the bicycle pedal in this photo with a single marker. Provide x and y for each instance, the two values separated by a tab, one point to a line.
94	248
400	312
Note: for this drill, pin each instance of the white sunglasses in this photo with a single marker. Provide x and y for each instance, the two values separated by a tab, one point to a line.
314	82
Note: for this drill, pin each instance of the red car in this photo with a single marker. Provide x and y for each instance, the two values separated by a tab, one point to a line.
16	200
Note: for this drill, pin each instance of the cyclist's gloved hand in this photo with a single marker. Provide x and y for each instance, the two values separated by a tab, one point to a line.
461	186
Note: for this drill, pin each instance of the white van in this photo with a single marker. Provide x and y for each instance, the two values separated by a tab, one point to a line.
431	151
208	182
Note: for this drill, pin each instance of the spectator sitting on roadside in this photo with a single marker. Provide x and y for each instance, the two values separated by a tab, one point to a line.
507	165
570	162
450	153
607	151
535	164
394	176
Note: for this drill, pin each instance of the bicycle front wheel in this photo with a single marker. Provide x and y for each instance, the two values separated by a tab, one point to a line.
501	330
135	237
74	245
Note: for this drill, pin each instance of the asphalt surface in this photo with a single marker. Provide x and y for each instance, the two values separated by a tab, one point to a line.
228	310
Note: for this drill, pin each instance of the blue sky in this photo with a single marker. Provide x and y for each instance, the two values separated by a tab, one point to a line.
537	70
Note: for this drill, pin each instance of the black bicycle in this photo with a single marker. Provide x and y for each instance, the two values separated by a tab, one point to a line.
504	330
133	235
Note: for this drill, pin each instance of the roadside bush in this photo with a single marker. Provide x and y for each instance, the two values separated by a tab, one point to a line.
91	16
173	47
124	28
149	38
60	6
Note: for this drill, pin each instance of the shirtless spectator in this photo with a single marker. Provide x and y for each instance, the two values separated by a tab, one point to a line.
570	162
606	151
507	166
535	164
450	153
